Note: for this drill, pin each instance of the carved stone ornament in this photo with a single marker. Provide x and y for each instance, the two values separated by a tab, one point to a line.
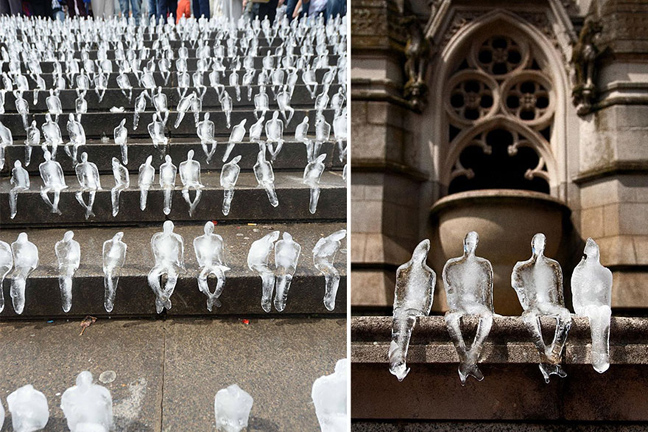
584	56
417	52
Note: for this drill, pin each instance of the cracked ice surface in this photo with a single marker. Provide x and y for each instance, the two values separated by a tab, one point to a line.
87	406
329	396
232	407
28	408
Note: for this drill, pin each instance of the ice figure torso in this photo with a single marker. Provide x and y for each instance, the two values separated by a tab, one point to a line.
68	254
415	283
167	250
88	176
87	406
538	281
190	173
52	174
287	254
468	280
209	250
329	394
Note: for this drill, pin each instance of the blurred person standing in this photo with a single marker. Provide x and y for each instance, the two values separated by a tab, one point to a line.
127	6
10	7
201	8
103	8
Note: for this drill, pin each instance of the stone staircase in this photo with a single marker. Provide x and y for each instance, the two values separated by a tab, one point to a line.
250	218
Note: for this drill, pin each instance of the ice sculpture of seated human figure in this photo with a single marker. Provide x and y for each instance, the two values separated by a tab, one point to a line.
28	408
114	257
206	130
283	100
256	130
312	175
468	282
185	104
145	180
140	107
323	258
538	283
53	181
209	254
228	178
259	262
6	264
156	132
20	182
265	175
87	406
52	134
286	257
6	139
413	297
121	139
322	132
340	132
32	139
122	182
160	105
77	137
236	136
274	132
168	173
53	104
89	181
329	394
168	250
190	178
591	285
232	407
25	258
68	253
301	135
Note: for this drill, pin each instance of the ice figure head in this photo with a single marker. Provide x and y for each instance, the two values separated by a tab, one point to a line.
329	394
29	410
206	116
470	243
209	228
84	157
22	238
149	160
591	251
47	155
115	163
190	155
167	159
87	406
17	164
167	227
232	408
538	244
117	237
260	250
69	235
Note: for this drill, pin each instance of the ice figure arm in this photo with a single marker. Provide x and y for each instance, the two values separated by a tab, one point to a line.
560	298
518	284
182	263
488	295
199	256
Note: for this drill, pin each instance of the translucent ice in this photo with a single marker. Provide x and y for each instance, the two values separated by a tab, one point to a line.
283	100
538	283
256	130
236	136
114	257
77	137
122	181
312	175
322	132
168	173
160	105
265	175
591	286
468	282
209	253
228	178
22	107
274	132
309	78
184	106
68	253
54	106
145	180
53	181
340	132
5	140
259	262
226	105
2	413
412	298
32	140
124	84
168	250
89	181
301	135
206	130
323	258
87	406
261	103
20	181
52	134
29	410
156	132
140	107
286	257
329	396
6	264
232	408
190	178
121	139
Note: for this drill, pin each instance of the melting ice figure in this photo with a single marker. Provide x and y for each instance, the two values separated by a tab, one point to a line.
77	137
206	130
274	133
122	181
54	106
329	396
259	262
190	177
121	139
168	173
168	250
6	264
52	134
538	283
87	406
5	140
89	181
591	285
312	175
156	132
468	282
228	178
286	256
114	257
68	253
413	297
32	140
265	175
145	180
28	408
323	258
20	181
209	253
232	408
53	180
236	136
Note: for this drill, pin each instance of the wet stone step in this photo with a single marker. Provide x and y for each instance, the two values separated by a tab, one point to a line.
301	98
242	290
292	156
250	201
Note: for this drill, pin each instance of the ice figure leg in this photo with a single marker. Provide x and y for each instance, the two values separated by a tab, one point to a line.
91	199
135	120
3	273
309	150
332	282
54	150
275	152
2	156
228	117
204	288
143	196
154	282
187	198
228	195
290	116
179	119
599	319
563	324
282	286
57	198
272	195
268	285
402	326
17	293
28	152
483	329
314	198
249	94
124	153
228	150
110	289
13	202
238	93
114	198
453	324
169	287
167	200
317	148
532	321
53	206
79	198
65	285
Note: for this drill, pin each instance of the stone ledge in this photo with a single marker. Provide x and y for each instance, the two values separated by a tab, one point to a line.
508	342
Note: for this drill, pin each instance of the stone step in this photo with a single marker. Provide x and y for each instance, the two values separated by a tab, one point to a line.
250	202
97	124
292	156
114	97
167	372
241	294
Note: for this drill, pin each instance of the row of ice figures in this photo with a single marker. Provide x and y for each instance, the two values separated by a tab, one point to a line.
538	282
88	407
168	250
